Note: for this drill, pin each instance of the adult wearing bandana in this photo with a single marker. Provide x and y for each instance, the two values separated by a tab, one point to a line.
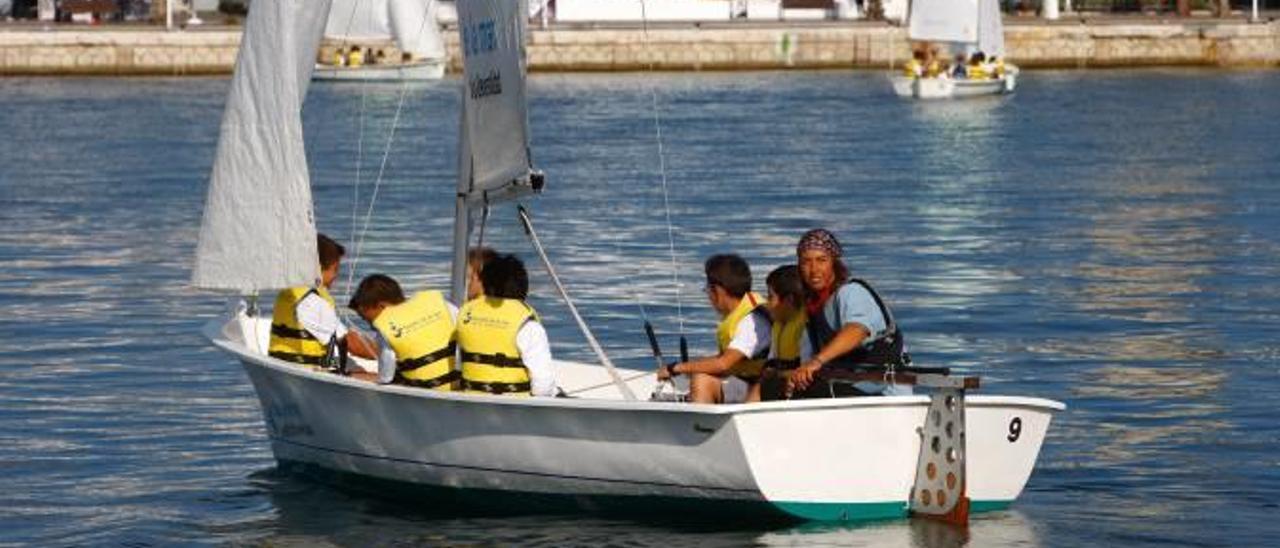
848	323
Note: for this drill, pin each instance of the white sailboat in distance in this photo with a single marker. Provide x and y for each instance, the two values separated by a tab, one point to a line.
599	447
968	26
396	40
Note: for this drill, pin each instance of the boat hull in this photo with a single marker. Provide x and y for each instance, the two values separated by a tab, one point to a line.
947	88
848	459
426	70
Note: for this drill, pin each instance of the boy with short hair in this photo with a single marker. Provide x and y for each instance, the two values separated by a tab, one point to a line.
742	336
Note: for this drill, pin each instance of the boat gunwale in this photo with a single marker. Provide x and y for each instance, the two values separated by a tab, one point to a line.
213	332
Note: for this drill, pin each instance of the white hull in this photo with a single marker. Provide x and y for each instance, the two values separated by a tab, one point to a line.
947	88
814	459
425	70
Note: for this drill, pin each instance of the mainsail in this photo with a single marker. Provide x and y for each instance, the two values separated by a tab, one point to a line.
258	230
414	26
944	21
410	23
495	123
990	28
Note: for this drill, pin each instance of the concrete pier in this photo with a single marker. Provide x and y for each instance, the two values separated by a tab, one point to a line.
1134	42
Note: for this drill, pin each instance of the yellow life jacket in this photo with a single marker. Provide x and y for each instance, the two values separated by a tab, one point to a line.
421	332
933	69
911	69
978	72
355	58
1000	68
338	59
749	368
289	340
785	341
491	362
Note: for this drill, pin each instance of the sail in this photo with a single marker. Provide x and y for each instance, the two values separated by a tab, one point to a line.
414	26
990	28
496	125
258	230
944	21
355	20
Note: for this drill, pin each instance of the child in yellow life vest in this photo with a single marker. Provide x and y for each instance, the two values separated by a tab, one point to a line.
978	67
786	310
305	328
356	57
416	336
503	345
914	68
742	337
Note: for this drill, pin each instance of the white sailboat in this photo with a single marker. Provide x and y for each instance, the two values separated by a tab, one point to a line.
405	32
974	25
834	459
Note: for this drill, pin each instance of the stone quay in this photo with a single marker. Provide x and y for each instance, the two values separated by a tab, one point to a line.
1030	43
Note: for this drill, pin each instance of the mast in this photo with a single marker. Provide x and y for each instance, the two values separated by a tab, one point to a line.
461	214
493	150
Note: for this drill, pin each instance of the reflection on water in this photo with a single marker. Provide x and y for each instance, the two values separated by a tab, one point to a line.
1078	241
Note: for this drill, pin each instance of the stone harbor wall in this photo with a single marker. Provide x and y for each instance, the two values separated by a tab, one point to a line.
818	45
118	52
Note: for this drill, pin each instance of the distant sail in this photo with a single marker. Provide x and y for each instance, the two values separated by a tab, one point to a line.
258	231
496	124
944	21
358	20
414	26
990	28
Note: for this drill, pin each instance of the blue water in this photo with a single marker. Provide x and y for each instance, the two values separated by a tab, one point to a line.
1107	239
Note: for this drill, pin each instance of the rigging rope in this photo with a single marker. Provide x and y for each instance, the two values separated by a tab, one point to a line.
662	168
355	197
377	182
382	168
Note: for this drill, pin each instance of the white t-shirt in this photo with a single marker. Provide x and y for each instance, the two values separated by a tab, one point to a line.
752	335
535	350
319	318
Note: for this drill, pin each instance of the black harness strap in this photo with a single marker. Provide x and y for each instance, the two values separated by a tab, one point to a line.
446	352
430	383
297	358
496	360
281	330
497	387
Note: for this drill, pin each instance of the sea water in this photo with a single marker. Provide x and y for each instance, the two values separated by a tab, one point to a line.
1110	239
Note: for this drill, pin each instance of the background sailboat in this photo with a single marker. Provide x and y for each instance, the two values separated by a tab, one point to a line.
397	39
967	26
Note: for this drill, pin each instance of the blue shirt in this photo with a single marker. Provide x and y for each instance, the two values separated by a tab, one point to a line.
856	306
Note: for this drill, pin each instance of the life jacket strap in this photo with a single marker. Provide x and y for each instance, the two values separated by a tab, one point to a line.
497	387
496	360
297	358
430	383
281	330
446	352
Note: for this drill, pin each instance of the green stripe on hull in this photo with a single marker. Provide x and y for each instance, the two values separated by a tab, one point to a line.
844	511
498	502
868	511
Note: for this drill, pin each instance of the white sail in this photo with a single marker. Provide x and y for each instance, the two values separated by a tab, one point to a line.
990	28
944	21
496	123
258	230
414	26
354	20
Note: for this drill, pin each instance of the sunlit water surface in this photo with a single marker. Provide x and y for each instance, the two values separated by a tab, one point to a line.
1107	239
